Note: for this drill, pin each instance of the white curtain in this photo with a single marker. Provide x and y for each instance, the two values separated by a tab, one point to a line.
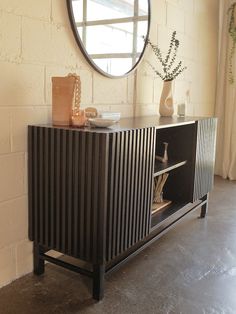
225	102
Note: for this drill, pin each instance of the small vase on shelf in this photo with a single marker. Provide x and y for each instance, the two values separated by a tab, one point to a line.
166	108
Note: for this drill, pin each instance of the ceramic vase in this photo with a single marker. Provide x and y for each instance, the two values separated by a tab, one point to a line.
166	108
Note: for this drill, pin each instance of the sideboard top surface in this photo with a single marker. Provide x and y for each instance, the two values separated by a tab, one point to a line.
126	124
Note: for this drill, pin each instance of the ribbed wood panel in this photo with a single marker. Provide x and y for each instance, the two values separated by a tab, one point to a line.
67	190
131	159
205	157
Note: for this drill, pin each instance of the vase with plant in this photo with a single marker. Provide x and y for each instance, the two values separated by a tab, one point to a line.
170	70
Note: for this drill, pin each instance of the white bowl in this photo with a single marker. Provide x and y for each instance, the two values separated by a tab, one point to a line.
110	115
101	123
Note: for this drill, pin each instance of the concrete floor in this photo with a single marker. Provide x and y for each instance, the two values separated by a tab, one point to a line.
192	269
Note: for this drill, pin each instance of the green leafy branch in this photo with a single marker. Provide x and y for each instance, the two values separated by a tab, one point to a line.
167	63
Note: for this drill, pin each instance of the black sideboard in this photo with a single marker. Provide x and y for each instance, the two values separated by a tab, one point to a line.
91	189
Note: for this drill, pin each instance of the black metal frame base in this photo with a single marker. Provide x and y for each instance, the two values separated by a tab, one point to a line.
100	270
204	206
97	274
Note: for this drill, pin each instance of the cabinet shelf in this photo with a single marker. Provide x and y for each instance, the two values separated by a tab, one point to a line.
161	168
160	206
166	217
173	210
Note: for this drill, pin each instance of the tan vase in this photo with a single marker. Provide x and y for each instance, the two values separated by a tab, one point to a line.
166	108
62	99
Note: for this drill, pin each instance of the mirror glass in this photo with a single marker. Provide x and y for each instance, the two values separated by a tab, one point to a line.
111	32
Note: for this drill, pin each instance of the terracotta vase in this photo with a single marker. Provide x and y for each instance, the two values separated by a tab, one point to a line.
166	108
62	99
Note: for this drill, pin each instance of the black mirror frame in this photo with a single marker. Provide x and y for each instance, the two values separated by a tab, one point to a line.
84	51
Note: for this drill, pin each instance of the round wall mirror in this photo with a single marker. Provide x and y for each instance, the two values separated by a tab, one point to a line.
111	33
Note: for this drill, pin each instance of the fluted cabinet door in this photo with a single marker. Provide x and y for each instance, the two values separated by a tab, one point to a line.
205	157
68	191
130	175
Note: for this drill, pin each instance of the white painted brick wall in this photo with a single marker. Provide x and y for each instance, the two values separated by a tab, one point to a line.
109	91
196	23
15	223
10	34
11	176
21	84
36	43
7	264
5	135
26	8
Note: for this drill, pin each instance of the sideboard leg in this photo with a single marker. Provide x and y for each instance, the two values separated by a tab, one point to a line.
98	281
38	262
204	208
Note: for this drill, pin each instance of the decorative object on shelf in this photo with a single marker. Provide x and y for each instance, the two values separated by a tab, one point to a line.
166	107
78	115
163	159
157	193
170	72
181	110
91	112
66	93
101	123
158	201
232	34
79	118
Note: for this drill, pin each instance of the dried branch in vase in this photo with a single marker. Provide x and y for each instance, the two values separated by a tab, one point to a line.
170	71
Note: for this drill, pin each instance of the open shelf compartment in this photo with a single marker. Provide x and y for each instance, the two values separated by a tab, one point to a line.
161	168
176	190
